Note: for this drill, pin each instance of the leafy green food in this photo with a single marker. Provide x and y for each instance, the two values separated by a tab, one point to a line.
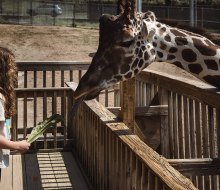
43	126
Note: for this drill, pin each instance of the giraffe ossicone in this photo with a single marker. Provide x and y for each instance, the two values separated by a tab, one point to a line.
130	41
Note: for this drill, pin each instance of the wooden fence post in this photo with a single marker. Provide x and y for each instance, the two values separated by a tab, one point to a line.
164	131
128	102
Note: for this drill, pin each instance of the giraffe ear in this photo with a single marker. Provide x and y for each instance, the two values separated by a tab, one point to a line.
147	32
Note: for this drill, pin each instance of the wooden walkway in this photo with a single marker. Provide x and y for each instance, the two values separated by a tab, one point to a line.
51	170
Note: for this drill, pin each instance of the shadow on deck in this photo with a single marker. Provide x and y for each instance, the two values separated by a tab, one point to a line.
47	170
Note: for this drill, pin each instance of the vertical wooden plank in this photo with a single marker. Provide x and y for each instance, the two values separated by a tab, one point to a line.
54	110
62	78
44	78
19	174
64	117
186	127
53	78
138	174
25	115
133	171
15	123
25	79
80	75
71	75
181	128
128	168
171	125
45	116
165	149
106	98
144	178
175	124
128	103
35	79
151	181
6	178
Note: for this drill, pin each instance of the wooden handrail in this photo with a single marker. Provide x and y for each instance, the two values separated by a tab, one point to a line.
52	65
199	91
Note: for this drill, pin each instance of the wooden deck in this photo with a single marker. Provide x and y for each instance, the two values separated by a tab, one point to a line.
50	170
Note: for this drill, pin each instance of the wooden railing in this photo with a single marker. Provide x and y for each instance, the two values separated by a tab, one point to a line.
192	128
115	158
41	92
42	74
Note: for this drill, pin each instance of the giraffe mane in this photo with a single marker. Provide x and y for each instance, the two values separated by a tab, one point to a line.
215	38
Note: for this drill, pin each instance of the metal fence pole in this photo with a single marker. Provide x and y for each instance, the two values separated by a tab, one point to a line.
192	12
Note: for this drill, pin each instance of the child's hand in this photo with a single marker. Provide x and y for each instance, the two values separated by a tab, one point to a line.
22	146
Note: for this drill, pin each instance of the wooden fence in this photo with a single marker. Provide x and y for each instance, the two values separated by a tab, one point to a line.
115	158
111	154
190	133
42	92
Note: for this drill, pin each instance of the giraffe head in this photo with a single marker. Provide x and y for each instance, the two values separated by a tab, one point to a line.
123	51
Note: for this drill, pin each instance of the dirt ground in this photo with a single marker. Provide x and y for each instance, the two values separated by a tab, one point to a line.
49	43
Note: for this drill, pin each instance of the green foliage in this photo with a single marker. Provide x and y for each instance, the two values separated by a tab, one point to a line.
43	126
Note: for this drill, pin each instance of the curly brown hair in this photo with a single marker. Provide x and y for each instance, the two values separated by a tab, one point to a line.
8	80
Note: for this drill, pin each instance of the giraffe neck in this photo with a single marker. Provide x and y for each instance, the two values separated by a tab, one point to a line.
191	52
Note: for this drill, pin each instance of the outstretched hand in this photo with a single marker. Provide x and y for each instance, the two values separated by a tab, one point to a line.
22	146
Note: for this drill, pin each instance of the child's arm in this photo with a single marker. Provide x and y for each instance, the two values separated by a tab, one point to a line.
20	146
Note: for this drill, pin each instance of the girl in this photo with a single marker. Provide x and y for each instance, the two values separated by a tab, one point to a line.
8	80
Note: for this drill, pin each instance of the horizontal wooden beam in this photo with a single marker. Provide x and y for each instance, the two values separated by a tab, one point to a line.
144	111
40	92
197	166
52	65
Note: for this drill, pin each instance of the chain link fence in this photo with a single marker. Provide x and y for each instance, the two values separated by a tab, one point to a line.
61	13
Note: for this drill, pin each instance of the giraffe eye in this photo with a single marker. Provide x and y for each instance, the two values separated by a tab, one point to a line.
127	44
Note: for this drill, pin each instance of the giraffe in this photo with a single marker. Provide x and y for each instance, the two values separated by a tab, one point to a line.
132	40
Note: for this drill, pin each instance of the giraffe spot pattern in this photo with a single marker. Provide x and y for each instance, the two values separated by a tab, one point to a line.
163	46
180	41
128	75
208	42
203	49
167	38
140	54
140	64
138	43
158	25
214	80
143	48
154	44
162	30
177	33
118	77
146	55
152	51
136	71
211	64
195	68
135	63
125	68
178	64
170	57
160	54
189	55
173	50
